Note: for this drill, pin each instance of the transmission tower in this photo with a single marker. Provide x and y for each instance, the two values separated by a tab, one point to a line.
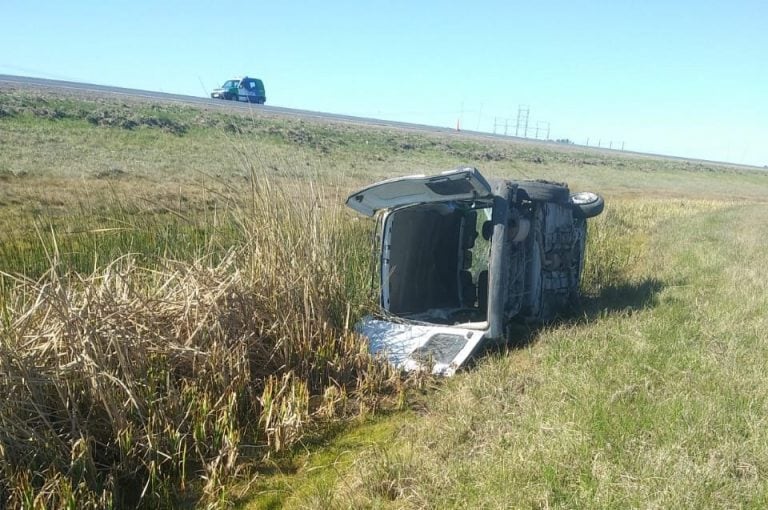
540	125
522	120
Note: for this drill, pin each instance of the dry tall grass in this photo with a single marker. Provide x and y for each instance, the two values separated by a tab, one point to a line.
124	385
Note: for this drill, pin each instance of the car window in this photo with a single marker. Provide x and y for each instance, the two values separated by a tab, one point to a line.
482	248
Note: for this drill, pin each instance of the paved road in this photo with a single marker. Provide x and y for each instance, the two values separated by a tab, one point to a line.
86	88
277	111
92	89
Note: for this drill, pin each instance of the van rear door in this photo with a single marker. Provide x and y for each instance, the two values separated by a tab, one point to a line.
460	184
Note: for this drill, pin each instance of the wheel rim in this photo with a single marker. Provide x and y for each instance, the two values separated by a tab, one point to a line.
584	197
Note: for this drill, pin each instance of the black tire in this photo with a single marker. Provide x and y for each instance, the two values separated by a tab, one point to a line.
543	191
586	204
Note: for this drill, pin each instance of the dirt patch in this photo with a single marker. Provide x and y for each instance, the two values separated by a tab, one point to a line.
112	173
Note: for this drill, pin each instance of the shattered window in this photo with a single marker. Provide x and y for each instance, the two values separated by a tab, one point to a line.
482	248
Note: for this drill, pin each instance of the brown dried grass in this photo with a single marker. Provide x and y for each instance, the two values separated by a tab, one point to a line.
124	385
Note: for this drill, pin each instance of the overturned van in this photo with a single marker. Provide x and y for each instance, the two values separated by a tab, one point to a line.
463	258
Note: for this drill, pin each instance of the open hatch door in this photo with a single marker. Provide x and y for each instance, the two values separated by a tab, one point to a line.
460	184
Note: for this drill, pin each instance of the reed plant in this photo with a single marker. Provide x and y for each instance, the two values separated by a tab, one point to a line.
141	384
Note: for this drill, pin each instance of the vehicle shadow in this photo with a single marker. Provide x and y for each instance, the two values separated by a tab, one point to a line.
625	298
628	297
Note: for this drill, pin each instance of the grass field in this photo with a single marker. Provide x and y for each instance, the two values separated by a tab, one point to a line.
655	397
177	287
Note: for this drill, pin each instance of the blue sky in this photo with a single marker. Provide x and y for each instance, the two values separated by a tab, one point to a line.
681	78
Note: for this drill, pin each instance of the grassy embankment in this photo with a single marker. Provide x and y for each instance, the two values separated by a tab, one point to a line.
164	331
237	310
655	397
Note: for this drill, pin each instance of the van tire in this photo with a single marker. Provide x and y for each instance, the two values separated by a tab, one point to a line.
586	204
543	191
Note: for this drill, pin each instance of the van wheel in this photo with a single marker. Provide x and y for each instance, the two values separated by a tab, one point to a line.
586	204
543	191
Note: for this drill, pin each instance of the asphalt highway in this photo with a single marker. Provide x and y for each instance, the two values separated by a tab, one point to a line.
89	89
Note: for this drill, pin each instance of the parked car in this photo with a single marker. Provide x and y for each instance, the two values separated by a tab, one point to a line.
462	258
246	89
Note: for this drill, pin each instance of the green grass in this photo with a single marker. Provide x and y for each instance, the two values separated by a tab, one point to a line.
657	401
214	248
308	475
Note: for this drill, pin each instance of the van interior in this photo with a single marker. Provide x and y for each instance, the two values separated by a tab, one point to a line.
435	263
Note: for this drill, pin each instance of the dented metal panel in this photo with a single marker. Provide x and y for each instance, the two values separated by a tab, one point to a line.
461	184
